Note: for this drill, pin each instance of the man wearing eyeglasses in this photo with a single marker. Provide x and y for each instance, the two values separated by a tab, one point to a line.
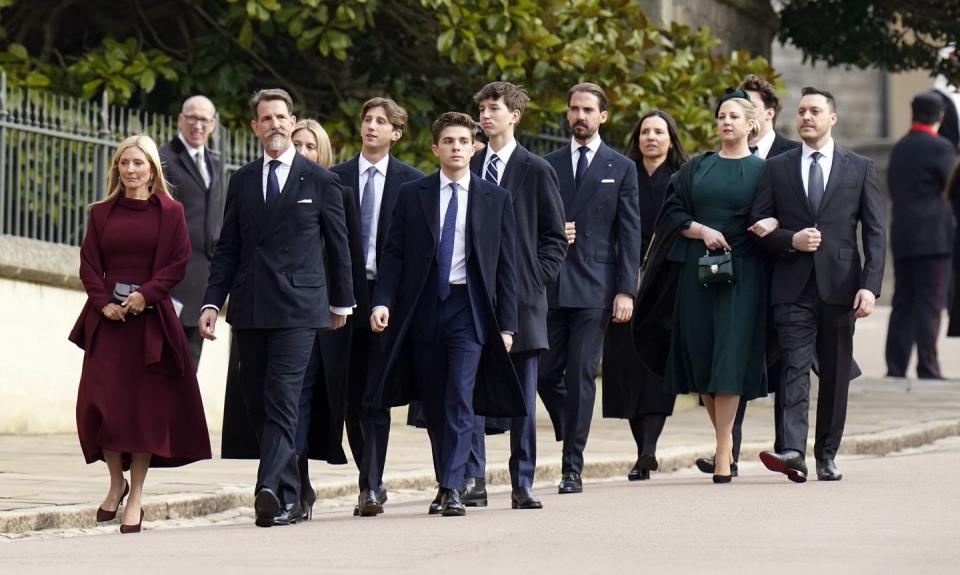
194	174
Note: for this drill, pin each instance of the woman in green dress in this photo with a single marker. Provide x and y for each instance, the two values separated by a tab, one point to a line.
718	339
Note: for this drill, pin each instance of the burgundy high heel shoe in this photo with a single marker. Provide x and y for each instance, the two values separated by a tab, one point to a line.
132	528
104	515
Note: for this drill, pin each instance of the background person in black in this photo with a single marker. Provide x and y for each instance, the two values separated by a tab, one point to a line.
193	173
630	390
922	231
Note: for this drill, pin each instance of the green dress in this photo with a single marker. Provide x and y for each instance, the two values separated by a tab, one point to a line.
718	342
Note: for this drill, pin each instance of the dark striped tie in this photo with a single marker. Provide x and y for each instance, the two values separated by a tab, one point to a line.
492	175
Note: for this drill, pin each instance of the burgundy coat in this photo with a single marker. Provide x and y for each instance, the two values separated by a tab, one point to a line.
165	348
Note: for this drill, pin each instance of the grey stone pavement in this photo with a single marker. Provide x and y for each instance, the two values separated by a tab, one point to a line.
45	484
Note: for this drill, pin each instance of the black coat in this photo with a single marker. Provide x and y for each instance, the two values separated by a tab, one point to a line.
629	388
922	222
409	259
605	258
781	145
272	263
541	240
852	195
203	208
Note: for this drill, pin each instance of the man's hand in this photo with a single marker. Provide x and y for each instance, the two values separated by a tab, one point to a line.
864	303
507	340
622	308
337	321
714	240
379	319
114	312
134	303
764	227
807	240
208	323
571	229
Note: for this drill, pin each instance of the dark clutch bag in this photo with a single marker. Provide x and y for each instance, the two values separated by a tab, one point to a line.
716	269
122	290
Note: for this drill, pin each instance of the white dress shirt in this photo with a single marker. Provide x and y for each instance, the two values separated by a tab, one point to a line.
283	170
379	179
503	155
764	144
593	144
825	161
458	267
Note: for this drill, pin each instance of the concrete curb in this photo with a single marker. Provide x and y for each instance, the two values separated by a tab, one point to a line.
184	505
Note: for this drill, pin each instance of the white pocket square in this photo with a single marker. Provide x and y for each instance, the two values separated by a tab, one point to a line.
608	181
306	201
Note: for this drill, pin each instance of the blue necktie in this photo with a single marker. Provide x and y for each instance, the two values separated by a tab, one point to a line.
581	166
815	182
492	175
273	184
446	245
366	210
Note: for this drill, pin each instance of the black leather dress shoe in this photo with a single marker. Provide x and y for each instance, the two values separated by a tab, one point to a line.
475	492
788	462
435	505
266	506
523	498
707	465
827	470
369	504
571	483
290	514
450	504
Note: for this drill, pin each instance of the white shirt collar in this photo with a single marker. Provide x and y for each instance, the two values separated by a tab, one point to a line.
826	150
463	182
765	143
503	153
381	165
193	151
286	158
593	144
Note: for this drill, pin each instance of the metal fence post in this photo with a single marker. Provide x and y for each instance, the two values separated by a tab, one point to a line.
3	151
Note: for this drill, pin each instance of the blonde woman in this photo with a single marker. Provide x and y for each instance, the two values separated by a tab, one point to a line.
312	142
138	404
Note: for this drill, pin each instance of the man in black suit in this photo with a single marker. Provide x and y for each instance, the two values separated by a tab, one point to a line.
541	245
598	275
819	193
768	143
284	259
194	174
376	175
447	287
922	230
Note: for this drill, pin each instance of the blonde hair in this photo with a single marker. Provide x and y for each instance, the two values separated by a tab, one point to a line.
324	149
750	113
157	185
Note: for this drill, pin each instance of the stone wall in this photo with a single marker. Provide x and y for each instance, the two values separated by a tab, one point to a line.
739	24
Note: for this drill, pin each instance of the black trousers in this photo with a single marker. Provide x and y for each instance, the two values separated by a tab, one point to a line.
196	343
567	378
274	362
918	301
773	379
806	327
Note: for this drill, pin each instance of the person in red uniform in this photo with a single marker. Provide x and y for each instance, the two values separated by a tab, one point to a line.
138	404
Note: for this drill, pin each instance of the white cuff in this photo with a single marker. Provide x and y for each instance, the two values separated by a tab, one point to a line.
210	306
341	310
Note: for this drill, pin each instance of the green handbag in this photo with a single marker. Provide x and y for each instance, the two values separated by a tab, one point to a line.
716	269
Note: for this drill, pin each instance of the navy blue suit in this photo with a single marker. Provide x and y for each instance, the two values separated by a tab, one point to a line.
474	373
283	267
541	245
368	425
603	261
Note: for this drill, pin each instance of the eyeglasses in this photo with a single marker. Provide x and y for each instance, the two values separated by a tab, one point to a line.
198	120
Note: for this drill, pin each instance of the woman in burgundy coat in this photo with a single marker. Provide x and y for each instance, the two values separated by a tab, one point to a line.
138	404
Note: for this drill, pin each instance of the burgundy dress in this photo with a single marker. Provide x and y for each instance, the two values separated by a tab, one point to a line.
138	391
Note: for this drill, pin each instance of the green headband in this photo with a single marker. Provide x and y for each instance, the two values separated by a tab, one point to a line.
729	94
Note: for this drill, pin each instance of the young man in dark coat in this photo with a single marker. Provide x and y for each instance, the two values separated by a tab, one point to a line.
447	297
193	172
541	245
922	231
376	175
